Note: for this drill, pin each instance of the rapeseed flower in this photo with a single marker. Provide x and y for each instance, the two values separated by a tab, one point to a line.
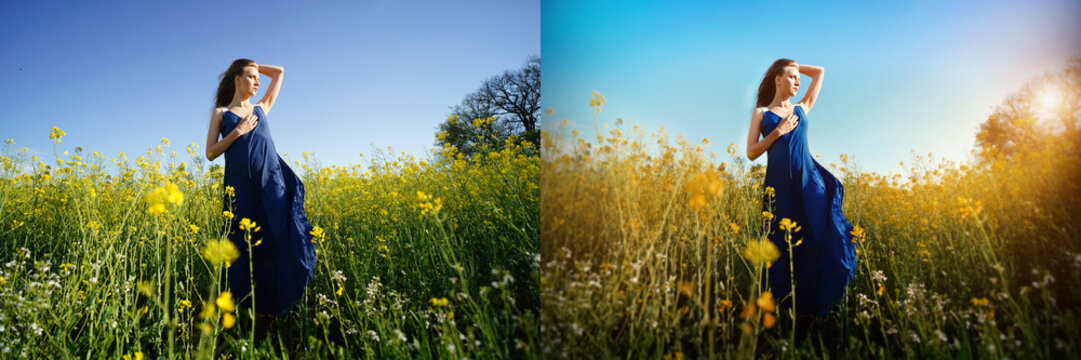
220	252
182	305
765	301
761	252
56	134
596	102
247	224
225	301
787	224
158	198
318	233
228	320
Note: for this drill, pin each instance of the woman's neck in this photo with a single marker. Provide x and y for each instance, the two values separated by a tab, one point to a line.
781	103
240	102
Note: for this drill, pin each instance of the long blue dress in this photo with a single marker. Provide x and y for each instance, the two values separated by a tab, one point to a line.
269	193
809	195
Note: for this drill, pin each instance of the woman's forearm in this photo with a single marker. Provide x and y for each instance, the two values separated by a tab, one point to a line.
760	147
213	151
270	70
810	70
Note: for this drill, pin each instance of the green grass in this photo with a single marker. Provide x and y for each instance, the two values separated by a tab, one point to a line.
77	240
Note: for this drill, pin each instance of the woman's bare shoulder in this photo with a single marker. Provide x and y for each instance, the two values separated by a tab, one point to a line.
756	115
216	114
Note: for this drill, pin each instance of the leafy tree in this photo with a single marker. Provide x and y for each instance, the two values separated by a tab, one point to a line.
505	105
1045	109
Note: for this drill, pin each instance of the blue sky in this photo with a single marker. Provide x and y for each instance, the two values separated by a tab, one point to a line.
900	76
119	76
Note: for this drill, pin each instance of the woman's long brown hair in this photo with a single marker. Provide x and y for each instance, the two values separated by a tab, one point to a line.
768	89
226	87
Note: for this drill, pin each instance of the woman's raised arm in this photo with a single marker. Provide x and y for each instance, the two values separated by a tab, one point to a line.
275	73
816	73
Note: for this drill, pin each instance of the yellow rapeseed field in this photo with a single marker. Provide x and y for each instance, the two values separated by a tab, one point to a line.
112	258
653	247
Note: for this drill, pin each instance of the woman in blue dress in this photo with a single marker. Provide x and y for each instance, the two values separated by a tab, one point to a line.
265	190
804	191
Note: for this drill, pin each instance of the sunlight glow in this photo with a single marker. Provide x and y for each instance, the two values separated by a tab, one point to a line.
1048	99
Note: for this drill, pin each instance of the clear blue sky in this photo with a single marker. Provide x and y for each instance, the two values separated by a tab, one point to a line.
900	76
119	76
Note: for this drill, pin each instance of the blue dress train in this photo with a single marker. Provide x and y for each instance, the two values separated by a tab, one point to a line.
269	193
808	194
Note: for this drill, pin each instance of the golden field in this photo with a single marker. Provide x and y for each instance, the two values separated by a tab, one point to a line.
652	248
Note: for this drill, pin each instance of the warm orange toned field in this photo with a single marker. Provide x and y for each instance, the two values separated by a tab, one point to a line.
653	254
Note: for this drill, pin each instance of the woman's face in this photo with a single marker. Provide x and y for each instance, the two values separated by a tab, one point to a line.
248	81
788	81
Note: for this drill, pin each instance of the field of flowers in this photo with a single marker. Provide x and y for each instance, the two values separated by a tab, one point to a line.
657	254
109	258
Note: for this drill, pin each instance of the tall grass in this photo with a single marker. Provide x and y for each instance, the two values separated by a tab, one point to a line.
657	254
415	258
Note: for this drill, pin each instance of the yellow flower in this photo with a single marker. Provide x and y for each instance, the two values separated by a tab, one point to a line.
787	224
596	101
761	252
159	197
703	184
146	287
220	252
686	287
969	209
980	301
247	224
339	292
765	301
227	214
137	356
56	134
174	196
724	304
228	320
439	302
768	320
858	234
225	301
428	203
318	233
748	311
156	201
182	305
697	201
768	215
208	311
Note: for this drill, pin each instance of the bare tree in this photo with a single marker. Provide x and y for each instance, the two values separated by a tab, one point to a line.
516	94
512	98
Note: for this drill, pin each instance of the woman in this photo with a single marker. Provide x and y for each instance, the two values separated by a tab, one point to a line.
804	192
265	190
